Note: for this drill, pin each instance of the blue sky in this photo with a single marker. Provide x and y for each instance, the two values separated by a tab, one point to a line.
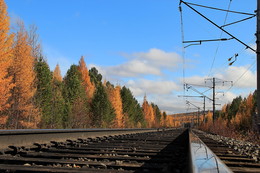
138	43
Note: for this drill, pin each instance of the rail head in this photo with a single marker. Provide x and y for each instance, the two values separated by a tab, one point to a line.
202	159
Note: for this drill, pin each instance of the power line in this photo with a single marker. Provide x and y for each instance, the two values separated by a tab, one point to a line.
216	52
213	23
241	75
226	63
219	9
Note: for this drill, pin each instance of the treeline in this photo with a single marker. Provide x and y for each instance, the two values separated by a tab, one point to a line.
236	119
33	96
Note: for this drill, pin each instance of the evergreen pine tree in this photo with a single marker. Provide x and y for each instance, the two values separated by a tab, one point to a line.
76	100
132	109
95	77
58	109
44	92
103	112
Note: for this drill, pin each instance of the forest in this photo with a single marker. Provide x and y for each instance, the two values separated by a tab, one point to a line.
237	119
33	96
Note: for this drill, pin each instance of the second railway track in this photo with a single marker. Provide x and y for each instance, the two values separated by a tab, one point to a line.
150	151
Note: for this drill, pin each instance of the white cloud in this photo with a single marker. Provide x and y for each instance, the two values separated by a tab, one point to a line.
133	68
198	80
159	58
145	63
243	77
144	86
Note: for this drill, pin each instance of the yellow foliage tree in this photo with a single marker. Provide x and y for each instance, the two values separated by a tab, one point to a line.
6	60
57	73
23	111
169	122
89	86
116	101
149	114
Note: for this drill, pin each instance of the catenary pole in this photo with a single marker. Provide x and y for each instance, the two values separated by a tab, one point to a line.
258	62
213	98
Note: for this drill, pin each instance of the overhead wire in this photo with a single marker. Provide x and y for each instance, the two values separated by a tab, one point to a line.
242	75
219	9
226	63
216	52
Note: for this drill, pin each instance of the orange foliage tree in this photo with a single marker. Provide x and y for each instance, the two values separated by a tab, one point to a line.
6	42
23	113
169	121
149	114
57	73
116	101
88	85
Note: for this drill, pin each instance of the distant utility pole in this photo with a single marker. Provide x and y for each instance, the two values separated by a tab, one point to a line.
197	113
213	87
258	62
204	105
214	104
214	82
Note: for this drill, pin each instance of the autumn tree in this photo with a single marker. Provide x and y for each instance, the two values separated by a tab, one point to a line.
88	85
23	113
6	60
57	73
163	119
116	101
148	113
170	122
33	41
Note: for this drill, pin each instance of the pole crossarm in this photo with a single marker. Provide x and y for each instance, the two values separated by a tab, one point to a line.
238	21
247	46
189	96
198	42
188	102
188	86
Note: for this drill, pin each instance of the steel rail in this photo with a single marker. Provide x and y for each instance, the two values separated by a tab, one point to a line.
30	136
203	159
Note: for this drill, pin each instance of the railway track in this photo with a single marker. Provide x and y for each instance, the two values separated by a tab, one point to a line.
147	150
